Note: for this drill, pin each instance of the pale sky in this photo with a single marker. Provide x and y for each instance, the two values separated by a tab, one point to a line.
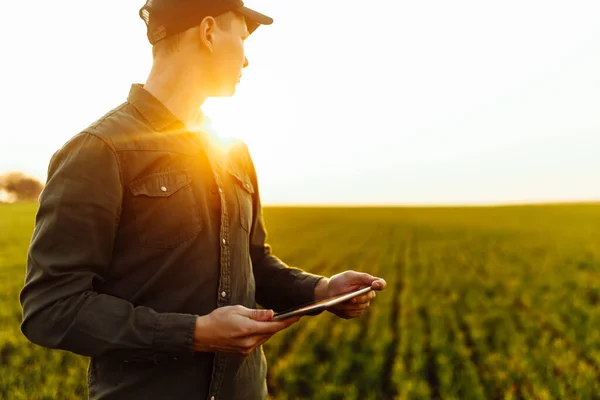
344	102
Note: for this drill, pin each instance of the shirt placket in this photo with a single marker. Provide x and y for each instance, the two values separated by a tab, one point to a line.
224	290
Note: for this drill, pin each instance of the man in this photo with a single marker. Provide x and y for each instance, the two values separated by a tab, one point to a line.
149	251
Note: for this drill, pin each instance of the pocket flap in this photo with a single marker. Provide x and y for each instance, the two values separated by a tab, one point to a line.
243	182
162	184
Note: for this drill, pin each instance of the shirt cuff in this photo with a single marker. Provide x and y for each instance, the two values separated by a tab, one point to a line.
306	287
174	333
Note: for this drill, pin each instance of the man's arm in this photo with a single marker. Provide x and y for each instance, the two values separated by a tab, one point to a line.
322	289
70	253
278	286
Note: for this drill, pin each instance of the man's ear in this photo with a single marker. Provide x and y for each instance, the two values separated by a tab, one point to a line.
206	30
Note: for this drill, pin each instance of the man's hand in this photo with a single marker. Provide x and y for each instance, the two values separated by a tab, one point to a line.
236	330
347	282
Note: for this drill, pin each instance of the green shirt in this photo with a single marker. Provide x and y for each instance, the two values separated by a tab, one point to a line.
142	227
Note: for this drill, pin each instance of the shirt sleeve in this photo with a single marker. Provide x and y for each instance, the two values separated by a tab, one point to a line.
278	286
69	255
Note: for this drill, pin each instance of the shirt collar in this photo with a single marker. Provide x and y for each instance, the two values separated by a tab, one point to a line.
154	111
163	120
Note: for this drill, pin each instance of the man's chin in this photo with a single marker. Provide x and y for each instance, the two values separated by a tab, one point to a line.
225	92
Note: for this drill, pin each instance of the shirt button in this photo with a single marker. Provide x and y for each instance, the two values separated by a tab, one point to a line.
223	294
163	188
224	241
220	190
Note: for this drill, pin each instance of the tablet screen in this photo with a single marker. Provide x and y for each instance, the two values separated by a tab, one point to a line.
320	305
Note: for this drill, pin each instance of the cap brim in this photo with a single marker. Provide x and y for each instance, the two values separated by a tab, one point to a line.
253	18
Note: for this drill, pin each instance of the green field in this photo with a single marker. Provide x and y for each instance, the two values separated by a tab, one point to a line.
482	303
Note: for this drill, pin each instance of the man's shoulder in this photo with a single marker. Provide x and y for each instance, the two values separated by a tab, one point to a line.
119	126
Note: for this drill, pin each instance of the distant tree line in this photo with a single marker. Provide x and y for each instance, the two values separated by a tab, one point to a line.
16	186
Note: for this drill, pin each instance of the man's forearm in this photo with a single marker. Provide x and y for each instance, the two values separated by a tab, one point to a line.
280	287
94	324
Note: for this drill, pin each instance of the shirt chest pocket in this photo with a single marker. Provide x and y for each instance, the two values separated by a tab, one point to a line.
244	191
165	209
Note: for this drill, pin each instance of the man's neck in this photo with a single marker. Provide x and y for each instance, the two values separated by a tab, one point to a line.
179	90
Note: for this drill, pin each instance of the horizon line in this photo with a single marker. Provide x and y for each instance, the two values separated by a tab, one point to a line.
406	205
436	205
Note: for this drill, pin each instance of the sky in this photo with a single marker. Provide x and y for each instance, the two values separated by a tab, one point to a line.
344	102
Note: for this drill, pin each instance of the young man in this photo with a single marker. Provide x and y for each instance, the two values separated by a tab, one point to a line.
149	251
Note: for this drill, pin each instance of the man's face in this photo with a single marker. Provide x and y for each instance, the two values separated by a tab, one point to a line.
228	59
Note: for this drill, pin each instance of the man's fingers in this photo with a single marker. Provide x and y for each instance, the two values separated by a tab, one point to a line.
363	298
379	284
367	280
353	307
361	278
271	328
254	314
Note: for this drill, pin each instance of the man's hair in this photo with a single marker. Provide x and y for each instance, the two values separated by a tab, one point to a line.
171	43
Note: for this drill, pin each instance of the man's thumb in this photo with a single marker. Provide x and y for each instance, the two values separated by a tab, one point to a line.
363	278
260	315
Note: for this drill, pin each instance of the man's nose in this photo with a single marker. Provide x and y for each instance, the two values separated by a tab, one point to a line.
245	62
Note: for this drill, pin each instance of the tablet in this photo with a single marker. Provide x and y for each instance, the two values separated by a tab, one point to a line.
319	305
